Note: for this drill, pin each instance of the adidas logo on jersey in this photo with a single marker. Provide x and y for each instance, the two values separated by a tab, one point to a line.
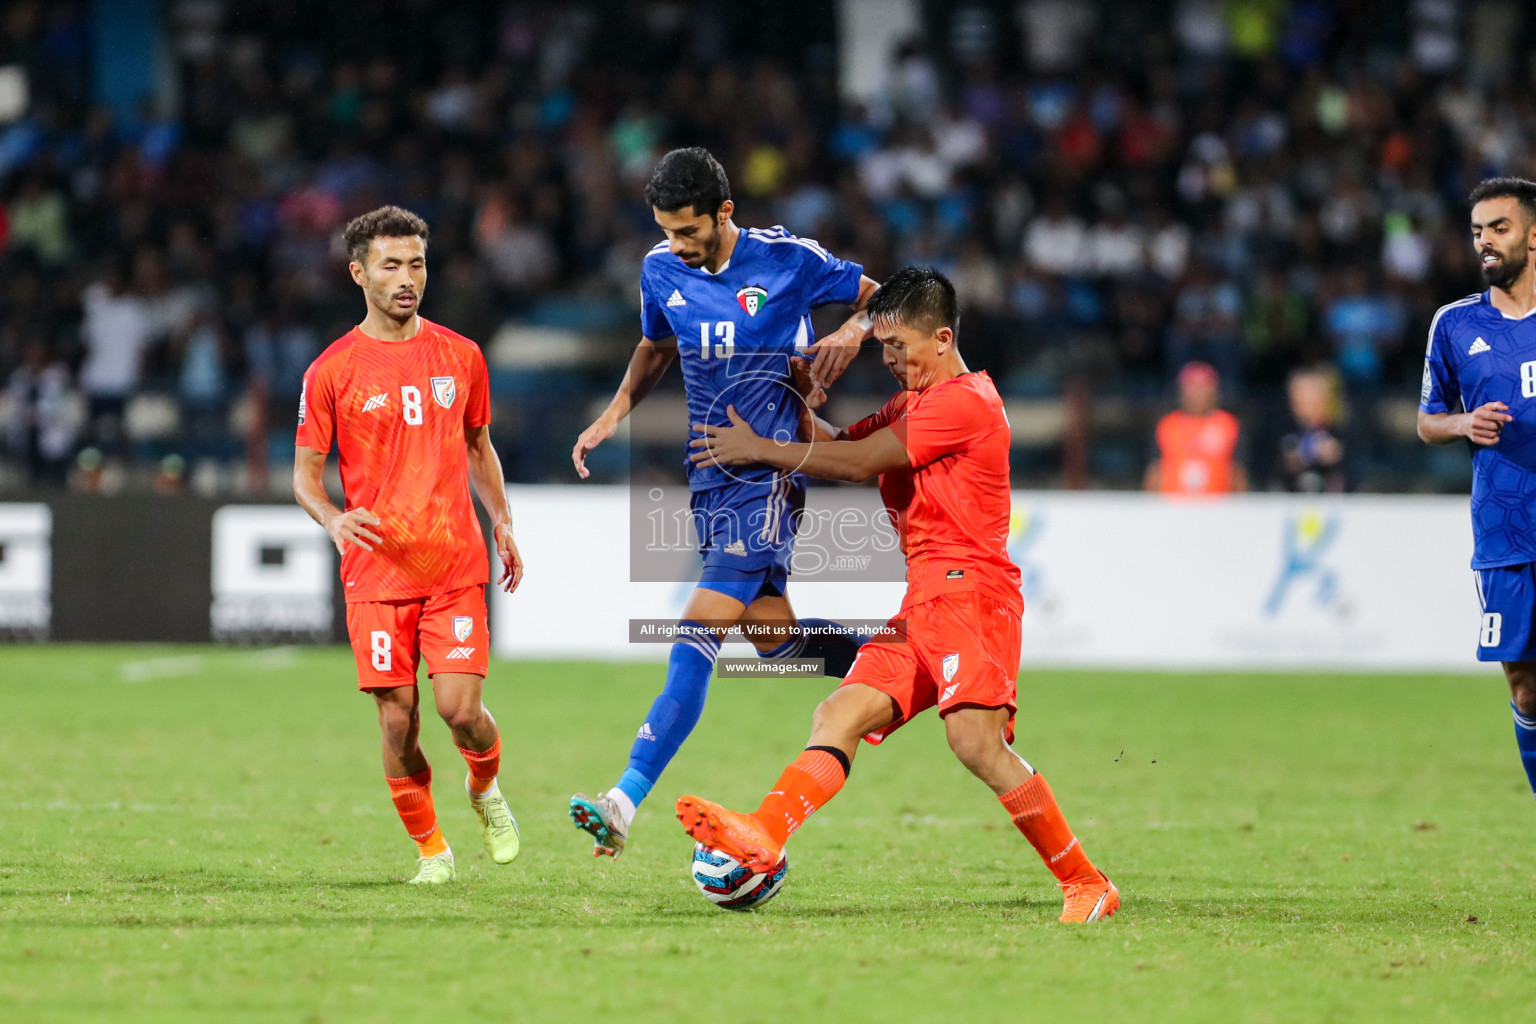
737	548
645	732
677	299
461	654
1479	346
376	402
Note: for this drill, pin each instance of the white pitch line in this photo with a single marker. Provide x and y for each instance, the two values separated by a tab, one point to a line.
162	668
272	659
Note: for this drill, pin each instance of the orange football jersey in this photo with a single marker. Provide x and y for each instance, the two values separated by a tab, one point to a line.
397	411
952	503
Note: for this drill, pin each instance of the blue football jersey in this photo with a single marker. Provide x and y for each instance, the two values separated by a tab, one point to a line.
1477	355
737	329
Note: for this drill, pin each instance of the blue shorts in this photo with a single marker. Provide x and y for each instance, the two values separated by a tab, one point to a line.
1508	595
747	535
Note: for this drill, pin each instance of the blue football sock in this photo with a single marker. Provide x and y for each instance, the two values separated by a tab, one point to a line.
1525	736
673	714
794	647
835	645
634	785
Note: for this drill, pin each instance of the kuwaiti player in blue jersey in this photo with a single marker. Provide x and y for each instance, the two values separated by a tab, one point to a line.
1480	384
732	306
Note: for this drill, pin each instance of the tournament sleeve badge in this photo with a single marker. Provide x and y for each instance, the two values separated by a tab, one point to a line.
444	391
752	298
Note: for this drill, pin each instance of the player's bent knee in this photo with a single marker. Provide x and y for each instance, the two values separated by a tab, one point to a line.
1522	686
1524	698
975	739
852	711
461	718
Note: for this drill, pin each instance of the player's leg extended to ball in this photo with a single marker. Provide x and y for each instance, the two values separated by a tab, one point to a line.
672	716
978	738
816	776
458	696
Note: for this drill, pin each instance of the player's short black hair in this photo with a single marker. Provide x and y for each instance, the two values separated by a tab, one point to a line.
688	177
918	297
1520	189
385	222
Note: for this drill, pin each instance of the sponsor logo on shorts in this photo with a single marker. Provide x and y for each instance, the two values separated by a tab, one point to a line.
461	654
955	574
951	666
737	547
463	625
949	691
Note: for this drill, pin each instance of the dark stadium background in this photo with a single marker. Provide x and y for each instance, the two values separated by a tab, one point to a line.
1267	184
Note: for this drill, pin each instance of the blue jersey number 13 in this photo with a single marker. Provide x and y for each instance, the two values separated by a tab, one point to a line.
725	346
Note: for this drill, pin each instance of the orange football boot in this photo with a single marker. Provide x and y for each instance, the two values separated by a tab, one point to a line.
732	833
1087	902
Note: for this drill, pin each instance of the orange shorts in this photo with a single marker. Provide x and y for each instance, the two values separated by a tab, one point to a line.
958	650
390	637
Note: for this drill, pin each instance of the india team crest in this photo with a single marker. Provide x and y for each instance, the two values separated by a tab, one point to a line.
444	391
951	666
752	299
463	625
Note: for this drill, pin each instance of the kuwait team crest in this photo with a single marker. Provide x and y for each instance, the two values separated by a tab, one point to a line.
462	625
444	391
752	299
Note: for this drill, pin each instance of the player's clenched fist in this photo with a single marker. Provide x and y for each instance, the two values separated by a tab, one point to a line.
1484	423
590	438
352	528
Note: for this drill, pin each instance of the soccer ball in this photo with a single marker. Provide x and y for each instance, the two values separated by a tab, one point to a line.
728	885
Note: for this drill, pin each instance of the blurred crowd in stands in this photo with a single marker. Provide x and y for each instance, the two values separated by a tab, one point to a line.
1262	186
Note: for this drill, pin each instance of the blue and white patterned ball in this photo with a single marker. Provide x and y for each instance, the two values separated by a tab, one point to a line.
728	885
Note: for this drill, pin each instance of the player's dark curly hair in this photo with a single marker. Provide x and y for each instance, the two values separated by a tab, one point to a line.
1514	188
385	222
688	177
919	297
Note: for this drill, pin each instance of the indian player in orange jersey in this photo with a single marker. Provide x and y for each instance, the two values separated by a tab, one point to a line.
940	449
407	403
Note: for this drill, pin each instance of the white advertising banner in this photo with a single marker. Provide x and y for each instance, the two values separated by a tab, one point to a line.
26	570
1110	580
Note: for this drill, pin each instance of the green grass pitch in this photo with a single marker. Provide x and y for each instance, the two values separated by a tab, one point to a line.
203	834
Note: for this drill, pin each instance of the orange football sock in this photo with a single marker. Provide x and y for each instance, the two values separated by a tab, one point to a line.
413	801
483	766
810	782
1035	813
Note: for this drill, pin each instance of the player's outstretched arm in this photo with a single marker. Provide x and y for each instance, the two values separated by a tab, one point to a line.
309	491
834	352
646	366
1481	426
491	487
855	461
